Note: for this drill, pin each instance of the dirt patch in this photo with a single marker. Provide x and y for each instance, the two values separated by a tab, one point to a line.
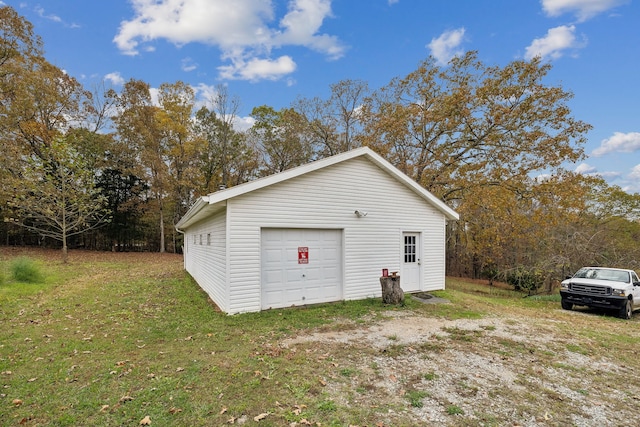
490	371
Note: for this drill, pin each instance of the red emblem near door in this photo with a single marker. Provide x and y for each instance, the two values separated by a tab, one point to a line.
303	255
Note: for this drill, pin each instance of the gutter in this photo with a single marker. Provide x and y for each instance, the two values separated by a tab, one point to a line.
193	211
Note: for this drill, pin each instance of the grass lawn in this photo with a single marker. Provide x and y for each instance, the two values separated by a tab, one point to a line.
130	339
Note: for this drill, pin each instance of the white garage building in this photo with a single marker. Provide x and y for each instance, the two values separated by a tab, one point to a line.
318	233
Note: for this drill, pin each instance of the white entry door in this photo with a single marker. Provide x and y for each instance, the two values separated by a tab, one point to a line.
300	266
410	275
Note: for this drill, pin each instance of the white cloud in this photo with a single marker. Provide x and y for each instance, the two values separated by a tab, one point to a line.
258	69
584	168
204	96
556	41
243	123
542	177
40	11
244	30
632	182
301	24
583	9
619	143
214	22
188	65
610	176
589	170
635	173
154	92
115	78
446	46
204	93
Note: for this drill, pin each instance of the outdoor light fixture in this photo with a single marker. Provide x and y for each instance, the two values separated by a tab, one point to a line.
360	214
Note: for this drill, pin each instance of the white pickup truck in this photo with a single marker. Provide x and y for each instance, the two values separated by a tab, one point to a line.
609	288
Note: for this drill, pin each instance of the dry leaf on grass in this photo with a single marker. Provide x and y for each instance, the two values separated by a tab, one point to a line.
261	416
146	421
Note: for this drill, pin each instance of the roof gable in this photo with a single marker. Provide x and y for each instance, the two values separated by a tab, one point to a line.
211	202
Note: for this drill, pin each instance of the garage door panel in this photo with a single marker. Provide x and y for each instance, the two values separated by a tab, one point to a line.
273	276
293	276
272	296
287	282
273	255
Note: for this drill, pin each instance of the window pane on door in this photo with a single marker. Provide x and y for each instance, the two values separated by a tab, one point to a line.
409	249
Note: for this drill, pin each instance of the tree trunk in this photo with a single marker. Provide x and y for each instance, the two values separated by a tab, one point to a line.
162	248
65	252
391	291
65	255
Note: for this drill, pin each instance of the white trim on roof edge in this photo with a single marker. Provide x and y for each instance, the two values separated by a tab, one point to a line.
198	211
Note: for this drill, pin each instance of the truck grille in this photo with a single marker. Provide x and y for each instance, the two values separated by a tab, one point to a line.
590	289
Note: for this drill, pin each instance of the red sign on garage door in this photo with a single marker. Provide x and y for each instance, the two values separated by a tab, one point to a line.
303	255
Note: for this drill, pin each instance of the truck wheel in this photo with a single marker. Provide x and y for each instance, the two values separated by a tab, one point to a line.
627	310
566	305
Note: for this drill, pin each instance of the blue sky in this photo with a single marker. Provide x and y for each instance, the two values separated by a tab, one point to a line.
271	51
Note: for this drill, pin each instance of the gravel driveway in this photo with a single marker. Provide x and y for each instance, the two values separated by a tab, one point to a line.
494	371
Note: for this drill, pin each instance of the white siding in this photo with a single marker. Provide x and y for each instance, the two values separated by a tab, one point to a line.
206	262
327	198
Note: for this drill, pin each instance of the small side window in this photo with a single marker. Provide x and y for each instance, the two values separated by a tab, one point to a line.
208	239
201	239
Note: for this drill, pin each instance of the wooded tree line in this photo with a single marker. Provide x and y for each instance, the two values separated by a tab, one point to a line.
116	169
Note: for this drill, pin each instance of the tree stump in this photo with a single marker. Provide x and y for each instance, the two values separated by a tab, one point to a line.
391	291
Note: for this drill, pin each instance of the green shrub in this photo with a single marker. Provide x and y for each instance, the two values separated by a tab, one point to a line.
523	279
23	269
489	273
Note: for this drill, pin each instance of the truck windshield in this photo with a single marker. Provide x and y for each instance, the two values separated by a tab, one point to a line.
603	274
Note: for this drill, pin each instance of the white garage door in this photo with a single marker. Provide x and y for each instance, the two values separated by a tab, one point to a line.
300	266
